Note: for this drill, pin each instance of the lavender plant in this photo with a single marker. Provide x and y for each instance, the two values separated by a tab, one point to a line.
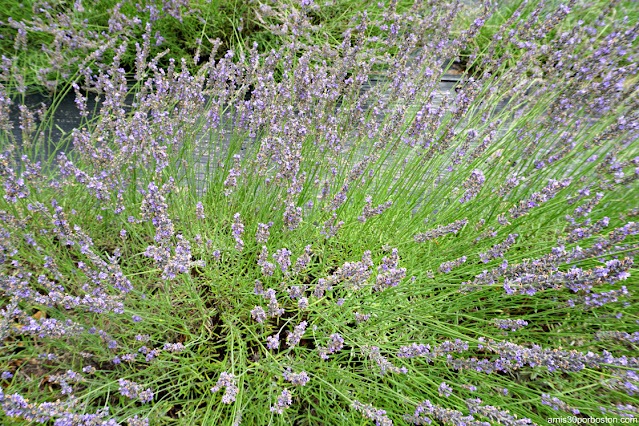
43	44
341	256
512	13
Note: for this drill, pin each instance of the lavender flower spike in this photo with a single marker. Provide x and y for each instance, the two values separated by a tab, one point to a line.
473	185
228	381
452	228
372	413
238	230
294	338
283	402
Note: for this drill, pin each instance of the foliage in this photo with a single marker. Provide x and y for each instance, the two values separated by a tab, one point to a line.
245	245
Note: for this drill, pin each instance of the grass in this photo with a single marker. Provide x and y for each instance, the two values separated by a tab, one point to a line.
150	236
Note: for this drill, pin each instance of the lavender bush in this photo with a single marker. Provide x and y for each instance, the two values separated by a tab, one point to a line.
342	256
44	44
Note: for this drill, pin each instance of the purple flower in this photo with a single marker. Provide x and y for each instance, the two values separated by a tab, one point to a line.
302	304
445	415
359	317
238	230
510	324
494	414
299	379
446	267
146	395
498	250
133	390
441	230
137	421
228	381
335	345
267	267
199	210
370	412
283	258
557	404
262	233
283	402
173	347
303	261
274	309
368	211
444	390
292	216
294	338
385	366
273	342
234	173
258	314
473	185
390	275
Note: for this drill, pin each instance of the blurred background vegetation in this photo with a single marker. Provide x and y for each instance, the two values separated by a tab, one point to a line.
61	33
